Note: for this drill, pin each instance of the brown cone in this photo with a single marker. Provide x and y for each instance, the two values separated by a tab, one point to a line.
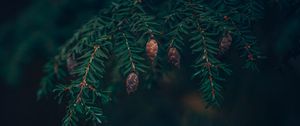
132	82
174	57
225	43
151	49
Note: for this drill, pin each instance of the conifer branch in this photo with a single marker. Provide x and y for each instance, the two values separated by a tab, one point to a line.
176	35
127	32
207	67
80	104
54	74
131	30
84	83
247	43
129	52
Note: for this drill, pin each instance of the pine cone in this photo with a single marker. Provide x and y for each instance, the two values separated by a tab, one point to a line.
225	43
174	57
152	49
132	82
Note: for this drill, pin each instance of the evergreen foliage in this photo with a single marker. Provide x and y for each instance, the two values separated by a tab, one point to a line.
120	33
40	27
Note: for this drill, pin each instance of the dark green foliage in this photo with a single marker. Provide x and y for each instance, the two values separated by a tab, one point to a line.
133	29
54	75
201	25
41	27
119	35
89	48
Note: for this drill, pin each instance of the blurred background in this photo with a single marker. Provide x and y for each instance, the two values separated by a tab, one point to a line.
32	30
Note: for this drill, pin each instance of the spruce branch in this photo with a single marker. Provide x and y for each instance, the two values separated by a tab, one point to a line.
207	66
84	83
81	104
128	33
54	73
239	16
129	53
176	35
131	30
246	44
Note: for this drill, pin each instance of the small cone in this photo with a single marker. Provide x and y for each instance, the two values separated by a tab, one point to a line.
152	49
174	57
132	82
225	43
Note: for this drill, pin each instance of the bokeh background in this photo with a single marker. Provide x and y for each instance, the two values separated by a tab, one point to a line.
32	30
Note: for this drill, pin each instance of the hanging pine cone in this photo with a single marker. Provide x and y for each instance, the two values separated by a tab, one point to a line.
132	82
152	49
174	57
225	42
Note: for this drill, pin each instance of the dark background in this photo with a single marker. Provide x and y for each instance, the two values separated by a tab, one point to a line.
32	30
